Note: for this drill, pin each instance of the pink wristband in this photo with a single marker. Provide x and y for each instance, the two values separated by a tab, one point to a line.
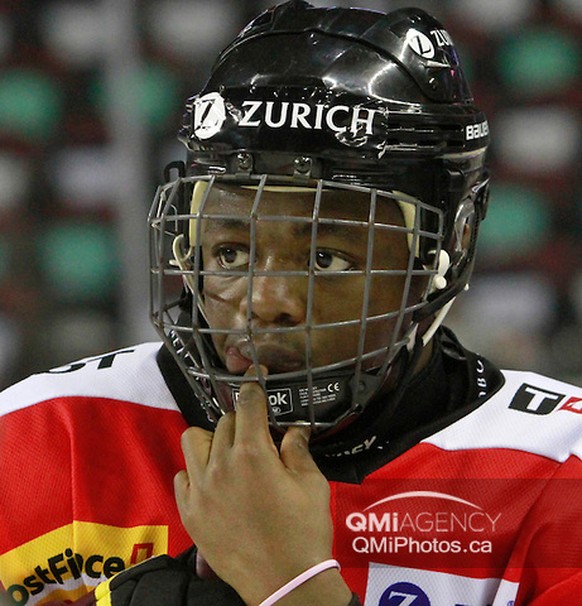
299	580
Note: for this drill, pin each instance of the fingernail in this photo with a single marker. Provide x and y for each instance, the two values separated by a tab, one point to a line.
305	433
252	371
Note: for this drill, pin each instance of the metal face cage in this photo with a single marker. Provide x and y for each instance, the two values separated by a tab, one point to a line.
355	318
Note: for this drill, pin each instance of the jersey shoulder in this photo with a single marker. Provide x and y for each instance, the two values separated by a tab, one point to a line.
530	412
129	374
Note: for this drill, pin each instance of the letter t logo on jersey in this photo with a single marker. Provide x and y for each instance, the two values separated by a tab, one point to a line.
535	400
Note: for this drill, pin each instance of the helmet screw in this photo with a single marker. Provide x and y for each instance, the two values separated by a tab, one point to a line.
245	162
302	165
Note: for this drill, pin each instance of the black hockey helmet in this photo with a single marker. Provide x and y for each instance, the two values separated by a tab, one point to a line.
321	99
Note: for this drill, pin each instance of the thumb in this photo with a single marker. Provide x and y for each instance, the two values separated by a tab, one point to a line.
294	451
181	493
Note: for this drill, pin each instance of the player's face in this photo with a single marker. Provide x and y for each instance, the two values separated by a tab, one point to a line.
279	301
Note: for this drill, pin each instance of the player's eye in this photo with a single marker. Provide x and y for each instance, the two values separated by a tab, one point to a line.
232	257
326	260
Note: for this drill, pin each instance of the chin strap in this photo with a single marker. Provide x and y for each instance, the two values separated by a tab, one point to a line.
439	318
439	282
360	426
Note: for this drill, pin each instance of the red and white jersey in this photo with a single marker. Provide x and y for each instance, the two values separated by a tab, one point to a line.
486	512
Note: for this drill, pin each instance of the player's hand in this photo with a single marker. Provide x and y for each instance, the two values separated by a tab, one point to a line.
258	515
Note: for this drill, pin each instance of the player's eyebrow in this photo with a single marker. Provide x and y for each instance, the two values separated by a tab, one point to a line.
301	228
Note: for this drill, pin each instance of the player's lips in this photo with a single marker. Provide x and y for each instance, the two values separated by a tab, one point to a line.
275	357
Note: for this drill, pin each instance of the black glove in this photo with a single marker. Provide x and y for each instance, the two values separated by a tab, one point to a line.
164	581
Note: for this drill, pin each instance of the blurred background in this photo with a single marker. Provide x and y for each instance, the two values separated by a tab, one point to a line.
91	96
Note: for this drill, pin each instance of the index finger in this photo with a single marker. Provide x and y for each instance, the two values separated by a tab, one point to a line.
252	421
